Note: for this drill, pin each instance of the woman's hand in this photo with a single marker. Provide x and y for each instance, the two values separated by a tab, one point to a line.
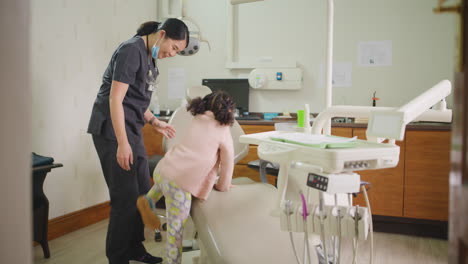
164	128
125	156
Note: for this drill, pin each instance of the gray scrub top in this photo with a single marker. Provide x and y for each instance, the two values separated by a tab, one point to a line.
129	64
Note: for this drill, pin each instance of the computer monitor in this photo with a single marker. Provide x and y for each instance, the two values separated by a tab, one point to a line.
237	88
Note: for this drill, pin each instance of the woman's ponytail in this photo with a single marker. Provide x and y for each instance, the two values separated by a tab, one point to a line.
175	29
148	28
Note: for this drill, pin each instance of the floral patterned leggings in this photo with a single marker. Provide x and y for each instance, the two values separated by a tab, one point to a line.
178	203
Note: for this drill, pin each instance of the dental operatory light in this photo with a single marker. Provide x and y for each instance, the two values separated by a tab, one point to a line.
194	44
192	48
195	36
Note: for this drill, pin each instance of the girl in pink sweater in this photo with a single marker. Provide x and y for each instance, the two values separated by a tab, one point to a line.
190	168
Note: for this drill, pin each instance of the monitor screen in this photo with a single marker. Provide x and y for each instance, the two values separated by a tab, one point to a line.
237	88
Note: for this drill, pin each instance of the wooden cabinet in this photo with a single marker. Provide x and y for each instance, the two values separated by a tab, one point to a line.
342	132
386	192
152	140
250	129
418	186
427	171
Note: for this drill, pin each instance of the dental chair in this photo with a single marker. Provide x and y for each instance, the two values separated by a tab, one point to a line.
236	226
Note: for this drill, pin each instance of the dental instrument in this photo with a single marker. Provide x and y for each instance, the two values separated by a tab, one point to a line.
289	211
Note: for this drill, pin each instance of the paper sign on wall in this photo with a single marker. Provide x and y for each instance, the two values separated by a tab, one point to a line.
341	74
375	53
176	83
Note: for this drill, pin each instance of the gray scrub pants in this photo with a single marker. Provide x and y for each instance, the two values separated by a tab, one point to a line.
125	232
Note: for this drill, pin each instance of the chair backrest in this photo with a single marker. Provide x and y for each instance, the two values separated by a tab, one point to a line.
181	119
240	150
198	91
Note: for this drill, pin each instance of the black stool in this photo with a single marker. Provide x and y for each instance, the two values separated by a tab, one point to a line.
41	206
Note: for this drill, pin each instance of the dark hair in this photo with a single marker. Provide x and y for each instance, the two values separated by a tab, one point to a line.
219	102
175	29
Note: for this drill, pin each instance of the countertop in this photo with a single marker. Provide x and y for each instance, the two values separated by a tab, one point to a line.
411	126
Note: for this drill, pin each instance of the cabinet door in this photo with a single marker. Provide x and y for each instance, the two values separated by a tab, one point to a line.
427	174
386	192
152	141
342	132
251	129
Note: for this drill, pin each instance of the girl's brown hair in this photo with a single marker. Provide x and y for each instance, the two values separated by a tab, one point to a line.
219	102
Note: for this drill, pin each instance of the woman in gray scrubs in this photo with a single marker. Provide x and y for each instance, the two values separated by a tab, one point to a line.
118	116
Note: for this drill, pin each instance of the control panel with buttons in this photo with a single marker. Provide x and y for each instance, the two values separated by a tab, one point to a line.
333	183
317	181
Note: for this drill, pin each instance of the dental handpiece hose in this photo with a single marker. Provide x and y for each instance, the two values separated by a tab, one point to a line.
356	234
338	241
306	235
306	245
370	225
288	211
322	226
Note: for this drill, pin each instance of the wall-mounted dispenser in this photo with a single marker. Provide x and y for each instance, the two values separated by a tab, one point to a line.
276	79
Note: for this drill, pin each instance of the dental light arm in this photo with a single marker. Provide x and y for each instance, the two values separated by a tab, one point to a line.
195	35
342	111
390	122
426	100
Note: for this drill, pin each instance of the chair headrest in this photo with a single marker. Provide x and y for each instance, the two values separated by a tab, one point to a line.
198	91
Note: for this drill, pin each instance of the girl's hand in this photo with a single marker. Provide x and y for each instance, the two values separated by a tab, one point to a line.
125	156
216	187
164	128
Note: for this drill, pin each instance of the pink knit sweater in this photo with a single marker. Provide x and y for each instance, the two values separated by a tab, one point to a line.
193	163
